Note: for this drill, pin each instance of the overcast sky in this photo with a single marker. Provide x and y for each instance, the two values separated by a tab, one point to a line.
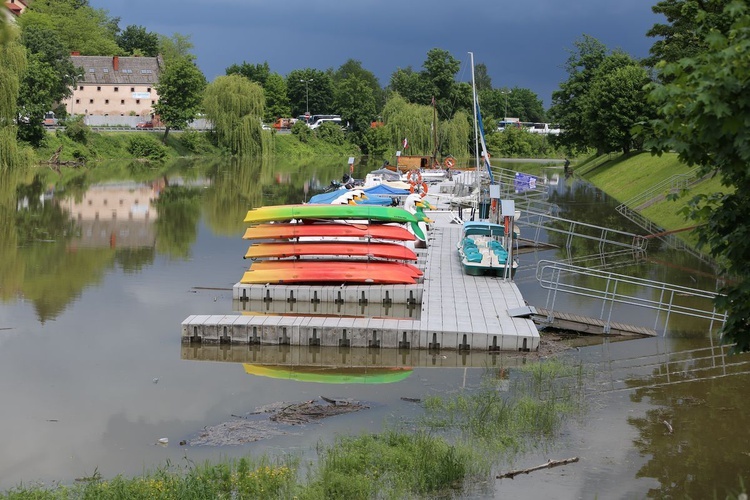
523	43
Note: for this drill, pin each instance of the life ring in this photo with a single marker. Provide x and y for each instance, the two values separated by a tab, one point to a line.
419	187
414	177
449	162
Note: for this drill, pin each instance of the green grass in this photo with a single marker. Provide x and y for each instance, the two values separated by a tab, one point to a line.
624	177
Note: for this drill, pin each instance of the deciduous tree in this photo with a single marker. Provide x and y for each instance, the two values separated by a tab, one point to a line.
569	101
80	27
703	115
135	40
180	90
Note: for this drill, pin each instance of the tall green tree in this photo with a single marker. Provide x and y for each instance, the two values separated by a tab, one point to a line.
353	68
277	100
313	86
569	101
235	106
176	47
48	47
37	93
410	85
180	90
440	70
681	35
616	103
80	27
355	99
135	40
257	73
704	115
482	79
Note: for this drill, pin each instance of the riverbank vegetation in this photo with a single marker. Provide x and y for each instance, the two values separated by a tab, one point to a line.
453	448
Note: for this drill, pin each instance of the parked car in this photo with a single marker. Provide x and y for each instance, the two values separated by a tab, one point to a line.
49	119
148	124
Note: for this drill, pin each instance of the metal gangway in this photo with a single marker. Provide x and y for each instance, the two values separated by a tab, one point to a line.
611	289
571	228
672	185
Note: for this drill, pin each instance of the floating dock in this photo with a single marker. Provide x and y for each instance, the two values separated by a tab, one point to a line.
453	310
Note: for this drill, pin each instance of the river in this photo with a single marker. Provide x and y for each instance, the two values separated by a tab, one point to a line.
99	267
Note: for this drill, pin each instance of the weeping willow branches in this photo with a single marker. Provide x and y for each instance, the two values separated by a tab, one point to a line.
12	66
235	106
415	123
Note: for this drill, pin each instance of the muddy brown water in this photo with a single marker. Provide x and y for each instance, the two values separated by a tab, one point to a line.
93	375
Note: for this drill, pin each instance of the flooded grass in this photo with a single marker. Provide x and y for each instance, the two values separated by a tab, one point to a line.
453	447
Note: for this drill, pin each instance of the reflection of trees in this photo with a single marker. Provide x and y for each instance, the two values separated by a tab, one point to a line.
707	453
248	183
133	260
176	226
234	190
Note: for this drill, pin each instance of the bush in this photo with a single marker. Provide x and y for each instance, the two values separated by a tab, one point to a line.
196	142
331	132
77	130
302	131
145	146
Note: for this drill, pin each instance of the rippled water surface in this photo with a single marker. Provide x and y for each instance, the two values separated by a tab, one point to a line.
98	269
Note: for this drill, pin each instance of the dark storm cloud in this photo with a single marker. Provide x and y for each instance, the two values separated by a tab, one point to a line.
523	43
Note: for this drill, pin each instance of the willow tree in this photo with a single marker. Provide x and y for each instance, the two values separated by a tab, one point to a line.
12	66
235	106
416	123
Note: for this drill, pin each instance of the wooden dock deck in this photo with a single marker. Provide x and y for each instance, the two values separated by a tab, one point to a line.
588	325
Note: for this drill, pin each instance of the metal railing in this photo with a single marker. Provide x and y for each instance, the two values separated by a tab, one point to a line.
611	289
605	236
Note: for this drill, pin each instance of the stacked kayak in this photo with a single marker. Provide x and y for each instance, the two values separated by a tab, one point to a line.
330	244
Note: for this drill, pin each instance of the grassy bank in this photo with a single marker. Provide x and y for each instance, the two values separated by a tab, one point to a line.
625	177
451	450
101	146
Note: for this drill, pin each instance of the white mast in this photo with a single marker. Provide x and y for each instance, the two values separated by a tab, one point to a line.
476	134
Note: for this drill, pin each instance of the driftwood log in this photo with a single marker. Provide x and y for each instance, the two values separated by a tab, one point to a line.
548	465
54	161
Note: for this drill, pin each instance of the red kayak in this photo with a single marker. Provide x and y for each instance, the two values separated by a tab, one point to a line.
329	275
332	248
330	230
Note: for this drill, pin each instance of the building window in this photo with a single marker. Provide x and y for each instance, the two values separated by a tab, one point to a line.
117	89
78	101
146	71
106	101
132	89
91	101
105	70
153	102
148	89
127	71
137	101
80	88
122	101
105	202
92	70
98	89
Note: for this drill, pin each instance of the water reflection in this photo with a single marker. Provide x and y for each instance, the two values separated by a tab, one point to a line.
118	287
693	432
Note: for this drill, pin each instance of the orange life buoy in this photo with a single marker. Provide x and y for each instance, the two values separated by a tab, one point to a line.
449	162
420	188
414	176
